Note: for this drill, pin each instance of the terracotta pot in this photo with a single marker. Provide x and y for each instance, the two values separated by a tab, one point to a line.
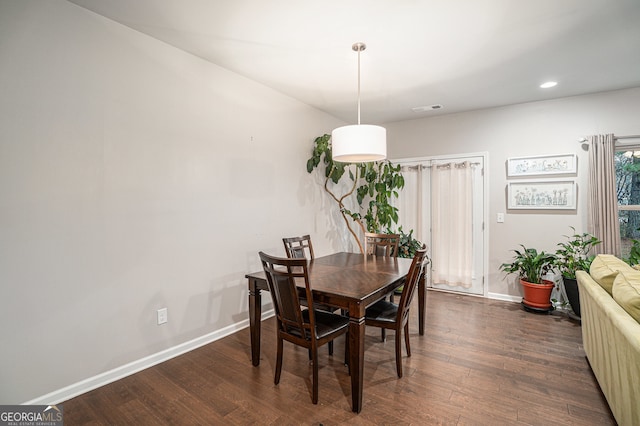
537	296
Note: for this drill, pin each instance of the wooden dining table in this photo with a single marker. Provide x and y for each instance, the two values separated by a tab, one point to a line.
349	281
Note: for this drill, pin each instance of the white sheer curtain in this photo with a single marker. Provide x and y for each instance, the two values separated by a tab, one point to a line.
412	200
603	201
452	222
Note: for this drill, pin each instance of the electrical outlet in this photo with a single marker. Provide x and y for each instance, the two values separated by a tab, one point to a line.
163	316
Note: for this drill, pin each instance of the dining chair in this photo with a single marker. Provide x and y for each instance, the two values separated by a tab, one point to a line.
385	245
381	244
301	248
309	328
298	247
388	315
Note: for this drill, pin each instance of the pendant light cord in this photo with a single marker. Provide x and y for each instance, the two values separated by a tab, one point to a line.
359	85
359	47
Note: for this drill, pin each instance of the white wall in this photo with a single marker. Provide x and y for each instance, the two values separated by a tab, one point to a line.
133	176
550	127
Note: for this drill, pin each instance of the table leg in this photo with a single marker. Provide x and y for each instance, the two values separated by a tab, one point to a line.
356	361
422	302
255	313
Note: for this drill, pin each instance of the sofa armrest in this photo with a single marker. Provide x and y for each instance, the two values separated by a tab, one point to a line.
611	339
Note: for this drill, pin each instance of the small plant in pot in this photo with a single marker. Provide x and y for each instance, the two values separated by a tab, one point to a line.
573	255
531	266
407	247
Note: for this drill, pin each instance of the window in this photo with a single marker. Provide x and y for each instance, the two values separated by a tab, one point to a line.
627	162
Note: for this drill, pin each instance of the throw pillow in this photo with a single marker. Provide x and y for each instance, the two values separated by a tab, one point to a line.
604	269
626	292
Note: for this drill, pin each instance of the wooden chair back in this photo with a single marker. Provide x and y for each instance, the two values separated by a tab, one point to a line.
282	275
299	247
381	244
410	285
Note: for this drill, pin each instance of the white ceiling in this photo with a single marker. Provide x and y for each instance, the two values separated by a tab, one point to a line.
463	54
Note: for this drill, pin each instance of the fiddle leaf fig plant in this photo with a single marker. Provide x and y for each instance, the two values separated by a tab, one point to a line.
373	184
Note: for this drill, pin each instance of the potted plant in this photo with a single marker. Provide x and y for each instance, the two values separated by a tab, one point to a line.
531	266
407	245
573	255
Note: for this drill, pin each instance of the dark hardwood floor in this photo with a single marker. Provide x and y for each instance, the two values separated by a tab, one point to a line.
480	362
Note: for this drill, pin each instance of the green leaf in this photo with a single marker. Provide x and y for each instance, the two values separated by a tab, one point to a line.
376	184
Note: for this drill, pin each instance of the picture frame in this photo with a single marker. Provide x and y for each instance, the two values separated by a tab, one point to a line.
538	195
542	165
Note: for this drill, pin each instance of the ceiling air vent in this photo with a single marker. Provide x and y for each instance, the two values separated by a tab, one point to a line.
427	108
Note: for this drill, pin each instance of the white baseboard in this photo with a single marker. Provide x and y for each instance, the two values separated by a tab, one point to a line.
495	296
86	385
504	297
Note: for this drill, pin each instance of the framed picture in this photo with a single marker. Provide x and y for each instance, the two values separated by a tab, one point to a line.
550	195
564	164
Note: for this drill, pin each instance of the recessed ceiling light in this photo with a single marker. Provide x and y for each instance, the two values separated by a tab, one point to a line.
548	84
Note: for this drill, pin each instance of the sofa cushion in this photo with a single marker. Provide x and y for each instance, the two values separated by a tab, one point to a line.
605	268
626	292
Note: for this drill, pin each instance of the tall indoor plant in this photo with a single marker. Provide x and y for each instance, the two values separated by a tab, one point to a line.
373	185
573	255
531	266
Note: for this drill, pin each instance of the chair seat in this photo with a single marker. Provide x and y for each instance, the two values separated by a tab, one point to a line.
327	323
382	311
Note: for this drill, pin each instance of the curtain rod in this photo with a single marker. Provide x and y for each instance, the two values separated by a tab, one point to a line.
583	139
418	166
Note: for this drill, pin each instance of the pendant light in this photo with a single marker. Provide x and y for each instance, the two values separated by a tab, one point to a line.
359	143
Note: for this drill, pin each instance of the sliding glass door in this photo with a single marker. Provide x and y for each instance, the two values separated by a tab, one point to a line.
444	203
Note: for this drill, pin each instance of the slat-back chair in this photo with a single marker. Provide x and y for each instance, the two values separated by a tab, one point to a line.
381	244
388	315
385	245
301	248
301	326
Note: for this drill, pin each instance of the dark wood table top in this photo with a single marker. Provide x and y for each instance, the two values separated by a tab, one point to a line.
342	279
